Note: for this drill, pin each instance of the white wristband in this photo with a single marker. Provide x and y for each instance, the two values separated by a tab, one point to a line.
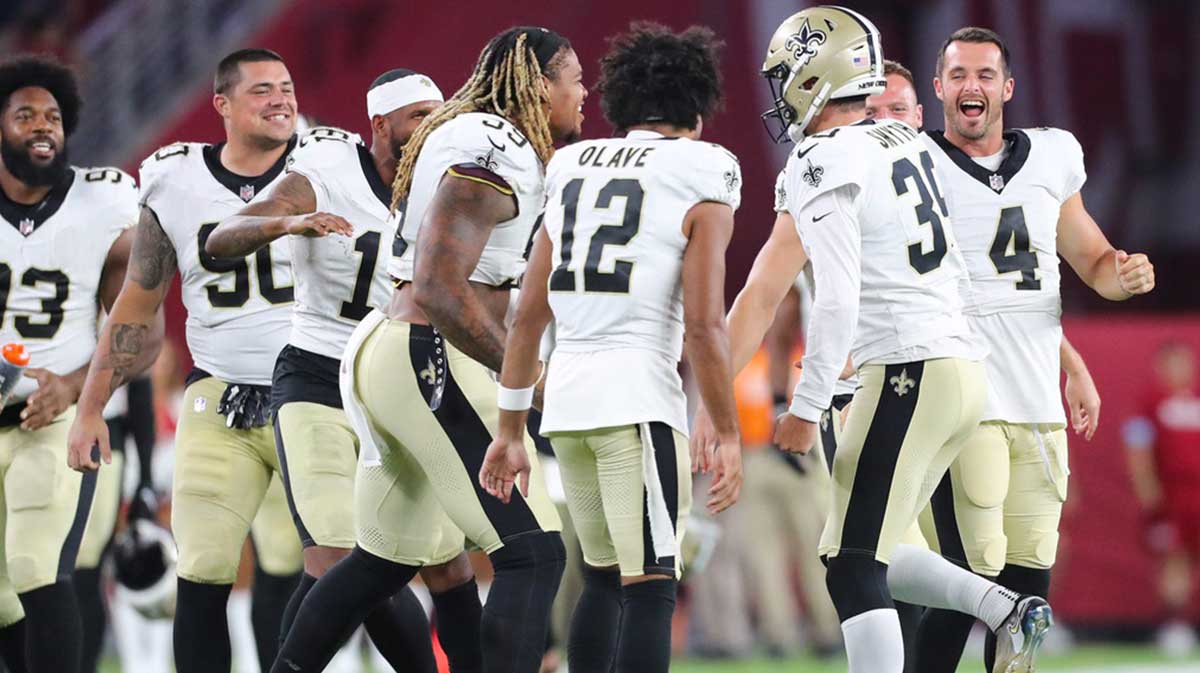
514	399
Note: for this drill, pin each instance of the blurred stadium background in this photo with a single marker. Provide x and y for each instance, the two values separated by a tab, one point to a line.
1115	72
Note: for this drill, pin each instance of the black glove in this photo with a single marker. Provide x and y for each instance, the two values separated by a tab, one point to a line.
245	406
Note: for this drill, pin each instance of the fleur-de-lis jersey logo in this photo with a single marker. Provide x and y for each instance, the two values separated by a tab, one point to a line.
488	160
902	384
731	180
812	175
803	44
429	373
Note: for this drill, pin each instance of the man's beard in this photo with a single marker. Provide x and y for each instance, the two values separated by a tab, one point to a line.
18	162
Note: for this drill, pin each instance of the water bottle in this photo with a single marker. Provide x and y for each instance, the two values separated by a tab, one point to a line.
13	360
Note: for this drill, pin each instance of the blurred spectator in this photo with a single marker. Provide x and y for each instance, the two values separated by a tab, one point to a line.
1163	446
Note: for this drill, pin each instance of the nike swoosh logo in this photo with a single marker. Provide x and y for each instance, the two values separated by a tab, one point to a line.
800	154
821	217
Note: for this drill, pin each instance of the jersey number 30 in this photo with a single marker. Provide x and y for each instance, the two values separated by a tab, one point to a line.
594	280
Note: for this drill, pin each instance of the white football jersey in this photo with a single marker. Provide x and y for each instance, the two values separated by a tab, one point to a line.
911	270
615	217
806	286
239	310
51	258
1006	221
339	279
493	144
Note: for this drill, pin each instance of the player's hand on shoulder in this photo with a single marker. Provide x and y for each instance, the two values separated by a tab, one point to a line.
727	475
505	464
87	443
51	398
703	440
1135	273
794	434
316	225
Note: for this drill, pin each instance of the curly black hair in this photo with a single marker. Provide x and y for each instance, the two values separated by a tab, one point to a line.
652	75
50	75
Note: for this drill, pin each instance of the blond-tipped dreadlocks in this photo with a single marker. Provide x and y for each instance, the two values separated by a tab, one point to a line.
507	81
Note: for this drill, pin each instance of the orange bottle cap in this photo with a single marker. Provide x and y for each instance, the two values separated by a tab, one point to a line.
16	354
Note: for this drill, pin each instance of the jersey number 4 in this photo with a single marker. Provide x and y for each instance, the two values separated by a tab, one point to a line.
240	293
903	170
51	306
1012	233
594	280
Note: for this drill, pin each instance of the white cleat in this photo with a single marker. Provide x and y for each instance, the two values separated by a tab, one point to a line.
1027	625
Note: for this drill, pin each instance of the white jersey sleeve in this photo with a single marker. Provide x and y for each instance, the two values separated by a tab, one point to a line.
318	155
781	192
480	147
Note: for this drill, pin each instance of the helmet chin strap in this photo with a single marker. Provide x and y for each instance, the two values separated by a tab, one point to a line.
795	131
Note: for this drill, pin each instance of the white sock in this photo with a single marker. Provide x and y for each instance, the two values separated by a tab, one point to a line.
874	643
922	577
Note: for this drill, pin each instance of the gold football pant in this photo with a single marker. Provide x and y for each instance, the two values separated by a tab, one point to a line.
429	465
907	424
103	517
222	477
629	490
44	511
318	451
1002	499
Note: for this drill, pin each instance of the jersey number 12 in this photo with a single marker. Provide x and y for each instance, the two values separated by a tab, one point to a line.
594	280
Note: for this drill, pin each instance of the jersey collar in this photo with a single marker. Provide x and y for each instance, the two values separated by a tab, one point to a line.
27	218
245	187
374	179
994	180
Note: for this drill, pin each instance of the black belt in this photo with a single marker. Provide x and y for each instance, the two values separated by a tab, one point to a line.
11	415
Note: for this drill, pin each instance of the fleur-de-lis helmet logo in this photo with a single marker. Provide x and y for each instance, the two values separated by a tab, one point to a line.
803	44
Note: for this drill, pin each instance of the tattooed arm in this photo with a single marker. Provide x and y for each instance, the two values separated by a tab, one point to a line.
130	340
453	235
288	210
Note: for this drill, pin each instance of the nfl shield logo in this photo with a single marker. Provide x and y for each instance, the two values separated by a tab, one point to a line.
26	226
246	192
996	182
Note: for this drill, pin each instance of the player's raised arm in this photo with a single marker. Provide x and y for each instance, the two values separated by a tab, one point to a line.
506	462
456	229
130	339
290	209
1113	274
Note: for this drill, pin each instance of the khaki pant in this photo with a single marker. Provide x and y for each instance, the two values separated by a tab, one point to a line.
222	481
102	520
318	451
906	426
1002	499
629	490
43	511
430	464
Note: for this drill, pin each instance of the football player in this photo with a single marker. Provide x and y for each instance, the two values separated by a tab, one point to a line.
636	230
415	376
63	248
334	204
238	320
1015	196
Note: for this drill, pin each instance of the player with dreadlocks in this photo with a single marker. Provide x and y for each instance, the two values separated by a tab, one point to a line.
415	379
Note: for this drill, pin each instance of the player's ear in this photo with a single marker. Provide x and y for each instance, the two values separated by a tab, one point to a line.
920	116
1009	85
221	104
380	127
937	88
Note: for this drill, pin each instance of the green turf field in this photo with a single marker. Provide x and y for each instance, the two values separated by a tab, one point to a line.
1114	659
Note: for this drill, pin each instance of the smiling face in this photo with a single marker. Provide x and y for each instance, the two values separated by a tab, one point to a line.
261	108
32	140
567	94
973	88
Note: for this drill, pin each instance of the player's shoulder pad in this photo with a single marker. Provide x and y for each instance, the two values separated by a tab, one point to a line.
324	146
491	142
714	172
168	159
1054	140
1060	152
107	180
825	161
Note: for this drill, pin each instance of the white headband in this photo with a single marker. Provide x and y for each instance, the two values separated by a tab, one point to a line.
393	95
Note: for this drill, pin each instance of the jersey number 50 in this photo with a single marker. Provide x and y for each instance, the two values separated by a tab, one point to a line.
240	294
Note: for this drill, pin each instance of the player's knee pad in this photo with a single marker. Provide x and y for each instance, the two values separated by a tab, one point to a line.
533	550
208	563
857	583
11	611
1037	548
